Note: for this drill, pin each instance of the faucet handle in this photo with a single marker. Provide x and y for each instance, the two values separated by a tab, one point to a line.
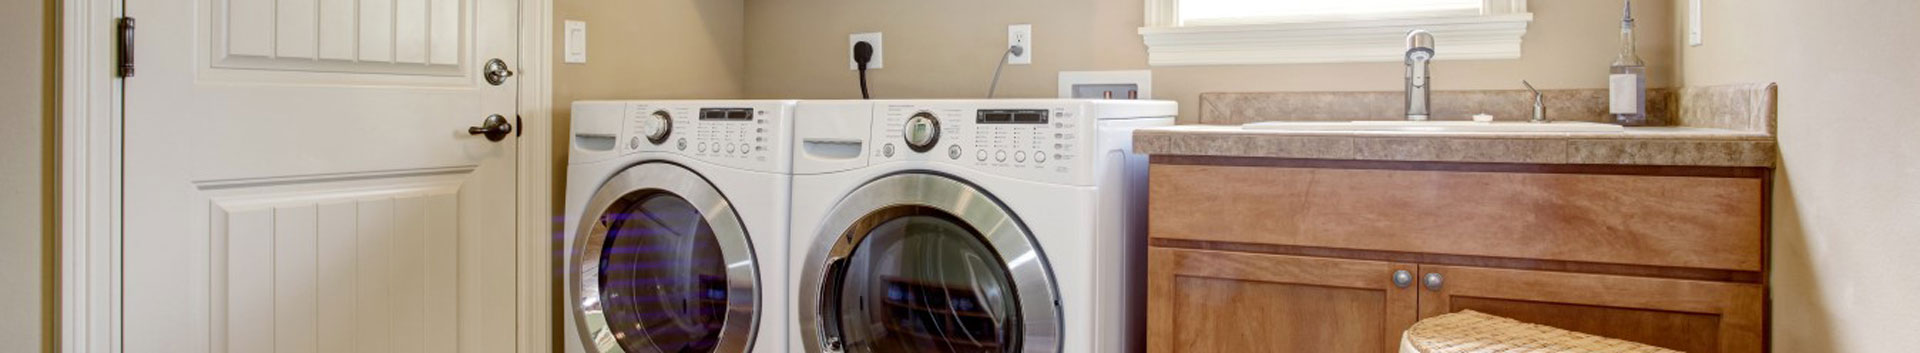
1539	103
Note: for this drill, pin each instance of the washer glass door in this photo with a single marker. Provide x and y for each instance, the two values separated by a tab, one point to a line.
655	274
922	281
926	263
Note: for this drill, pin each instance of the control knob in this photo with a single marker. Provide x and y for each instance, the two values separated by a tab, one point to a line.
922	132
657	126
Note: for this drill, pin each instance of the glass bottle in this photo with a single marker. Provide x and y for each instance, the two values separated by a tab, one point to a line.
1627	82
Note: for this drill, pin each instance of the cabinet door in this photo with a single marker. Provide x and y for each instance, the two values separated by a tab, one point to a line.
1685	315
1211	301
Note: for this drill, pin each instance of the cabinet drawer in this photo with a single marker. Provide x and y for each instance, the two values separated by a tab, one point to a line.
1672	221
1208	301
1690	316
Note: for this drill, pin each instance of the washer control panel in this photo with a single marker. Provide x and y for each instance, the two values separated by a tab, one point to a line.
1029	140
743	134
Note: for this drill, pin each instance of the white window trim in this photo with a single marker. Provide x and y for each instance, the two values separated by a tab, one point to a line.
1496	33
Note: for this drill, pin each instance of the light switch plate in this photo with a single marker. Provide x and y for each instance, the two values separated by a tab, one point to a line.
1693	23
1021	35
576	42
871	38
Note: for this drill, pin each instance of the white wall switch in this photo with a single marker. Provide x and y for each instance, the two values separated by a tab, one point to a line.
1021	35
1693	23
576	42
871	38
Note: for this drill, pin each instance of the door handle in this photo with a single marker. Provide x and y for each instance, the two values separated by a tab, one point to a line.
495	127
496	72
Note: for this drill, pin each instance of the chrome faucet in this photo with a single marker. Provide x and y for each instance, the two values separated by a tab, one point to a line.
1419	94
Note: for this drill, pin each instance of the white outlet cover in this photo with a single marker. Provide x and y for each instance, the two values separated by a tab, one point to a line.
869	37
1021	35
576	42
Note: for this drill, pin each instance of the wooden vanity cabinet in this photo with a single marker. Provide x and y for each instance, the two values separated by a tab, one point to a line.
1211	301
1254	255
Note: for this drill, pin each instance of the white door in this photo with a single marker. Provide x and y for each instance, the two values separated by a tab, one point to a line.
299	177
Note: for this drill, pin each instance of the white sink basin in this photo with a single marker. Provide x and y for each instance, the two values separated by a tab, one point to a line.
1434	126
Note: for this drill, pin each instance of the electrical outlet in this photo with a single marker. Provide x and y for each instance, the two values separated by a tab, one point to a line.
576	42
1021	35
872	38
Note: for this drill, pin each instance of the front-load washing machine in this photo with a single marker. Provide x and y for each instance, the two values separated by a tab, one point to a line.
969	226
676	218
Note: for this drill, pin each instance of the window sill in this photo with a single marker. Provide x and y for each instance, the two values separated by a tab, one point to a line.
1486	37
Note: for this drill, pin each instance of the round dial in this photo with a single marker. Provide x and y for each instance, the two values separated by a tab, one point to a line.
657	126
922	132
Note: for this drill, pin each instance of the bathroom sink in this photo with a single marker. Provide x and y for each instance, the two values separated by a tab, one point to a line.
1433	126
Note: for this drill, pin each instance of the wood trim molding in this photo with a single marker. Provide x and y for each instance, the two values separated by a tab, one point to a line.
1698	274
89	168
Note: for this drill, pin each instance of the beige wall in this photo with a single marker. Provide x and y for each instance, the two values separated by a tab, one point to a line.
643	49
946	49
1847	203
24	175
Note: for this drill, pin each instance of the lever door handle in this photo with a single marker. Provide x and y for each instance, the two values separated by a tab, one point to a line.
495	127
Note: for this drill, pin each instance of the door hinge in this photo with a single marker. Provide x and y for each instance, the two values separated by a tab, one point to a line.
125	47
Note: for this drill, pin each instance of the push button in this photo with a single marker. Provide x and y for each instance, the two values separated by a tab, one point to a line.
1039	156
980	155
1020	156
953	152
1000	156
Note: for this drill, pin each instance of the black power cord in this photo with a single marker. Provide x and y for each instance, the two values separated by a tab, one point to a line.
863	53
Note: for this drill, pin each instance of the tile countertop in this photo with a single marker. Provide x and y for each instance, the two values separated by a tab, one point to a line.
1648	146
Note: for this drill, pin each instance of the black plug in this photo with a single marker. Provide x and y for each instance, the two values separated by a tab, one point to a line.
862	54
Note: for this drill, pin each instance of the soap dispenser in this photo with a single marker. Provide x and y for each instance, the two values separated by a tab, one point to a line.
1627	84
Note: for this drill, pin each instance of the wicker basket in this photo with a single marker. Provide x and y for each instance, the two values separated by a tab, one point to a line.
1474	332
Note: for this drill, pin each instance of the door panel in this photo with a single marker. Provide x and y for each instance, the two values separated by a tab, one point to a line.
1685	315
298	177
1209	301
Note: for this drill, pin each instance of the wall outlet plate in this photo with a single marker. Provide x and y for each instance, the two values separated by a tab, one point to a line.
1125	84
1021	35
576	42
870	38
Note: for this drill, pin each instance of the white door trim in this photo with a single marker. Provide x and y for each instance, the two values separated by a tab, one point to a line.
536	174
90	162
89	178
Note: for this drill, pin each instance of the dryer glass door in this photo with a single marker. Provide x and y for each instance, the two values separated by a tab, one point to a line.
664	265
662	278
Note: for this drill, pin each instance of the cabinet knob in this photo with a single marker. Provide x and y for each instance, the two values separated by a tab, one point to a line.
1434	280
1402	278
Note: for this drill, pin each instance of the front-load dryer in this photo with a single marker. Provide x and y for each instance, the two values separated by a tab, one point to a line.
969	226
676	217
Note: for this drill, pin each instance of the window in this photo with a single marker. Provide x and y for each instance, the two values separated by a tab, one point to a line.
1227	32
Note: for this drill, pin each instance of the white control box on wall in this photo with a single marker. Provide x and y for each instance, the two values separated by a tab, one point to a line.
1127	84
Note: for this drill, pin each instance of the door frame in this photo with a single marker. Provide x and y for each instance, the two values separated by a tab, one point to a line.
89	137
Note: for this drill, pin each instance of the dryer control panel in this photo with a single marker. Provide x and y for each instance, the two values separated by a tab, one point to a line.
1043	140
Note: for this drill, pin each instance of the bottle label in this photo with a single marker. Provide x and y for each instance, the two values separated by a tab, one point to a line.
1624	91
